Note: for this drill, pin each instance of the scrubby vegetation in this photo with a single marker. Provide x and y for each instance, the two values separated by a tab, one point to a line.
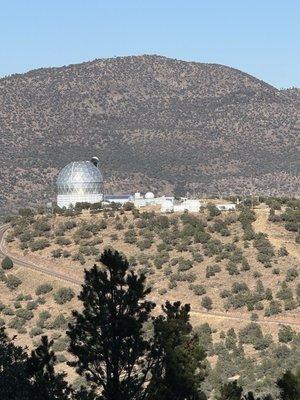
164	351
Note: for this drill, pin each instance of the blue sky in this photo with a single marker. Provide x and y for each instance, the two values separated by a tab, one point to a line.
258	37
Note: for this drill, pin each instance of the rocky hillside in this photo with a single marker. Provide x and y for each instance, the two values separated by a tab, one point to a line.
156	123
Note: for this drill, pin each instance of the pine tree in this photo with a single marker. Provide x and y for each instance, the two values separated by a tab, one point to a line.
289	386
46	384
231	391
107	336
180	370
14	384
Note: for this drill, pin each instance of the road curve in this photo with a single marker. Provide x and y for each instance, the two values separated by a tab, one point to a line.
30	265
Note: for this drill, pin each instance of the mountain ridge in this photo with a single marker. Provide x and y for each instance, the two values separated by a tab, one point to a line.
155	122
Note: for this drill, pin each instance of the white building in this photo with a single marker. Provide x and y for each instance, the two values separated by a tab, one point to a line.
226	207
118	198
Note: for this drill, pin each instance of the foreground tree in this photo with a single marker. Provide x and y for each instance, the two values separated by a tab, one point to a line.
14	384
180	370
45	383
289	386
106	338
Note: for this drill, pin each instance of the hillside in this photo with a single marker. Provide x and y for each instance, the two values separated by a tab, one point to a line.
233	268
156	123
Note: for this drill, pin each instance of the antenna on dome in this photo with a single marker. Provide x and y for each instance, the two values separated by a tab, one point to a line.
95	161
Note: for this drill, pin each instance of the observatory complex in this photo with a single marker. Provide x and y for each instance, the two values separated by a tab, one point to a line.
79	182
82	182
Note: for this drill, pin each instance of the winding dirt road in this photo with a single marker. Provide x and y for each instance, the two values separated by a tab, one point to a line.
30	265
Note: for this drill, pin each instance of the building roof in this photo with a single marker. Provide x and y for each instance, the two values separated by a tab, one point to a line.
79	172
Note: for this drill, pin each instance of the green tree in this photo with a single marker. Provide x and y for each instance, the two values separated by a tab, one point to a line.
231	391
289	386
46	384
7	263
106	338
180	370
14	384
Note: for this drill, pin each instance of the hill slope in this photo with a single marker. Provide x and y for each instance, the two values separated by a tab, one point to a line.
156	123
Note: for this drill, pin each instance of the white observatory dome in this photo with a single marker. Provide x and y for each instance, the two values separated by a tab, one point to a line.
149	195
80	181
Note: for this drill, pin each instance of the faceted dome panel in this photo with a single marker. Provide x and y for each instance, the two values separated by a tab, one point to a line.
81	177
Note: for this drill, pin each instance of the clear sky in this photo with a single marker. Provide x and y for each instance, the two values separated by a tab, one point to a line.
259	37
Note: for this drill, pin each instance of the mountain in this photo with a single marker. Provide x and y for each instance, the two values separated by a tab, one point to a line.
156	123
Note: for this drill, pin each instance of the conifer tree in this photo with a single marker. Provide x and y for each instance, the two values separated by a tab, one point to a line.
180	370
106	337
46	384
14	384
289	386
231	391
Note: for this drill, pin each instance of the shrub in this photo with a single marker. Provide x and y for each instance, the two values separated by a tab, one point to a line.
285	293
184	265
2	276
66	254
291	274
285	334
207	303
239	287
43	289
63	295
17	304
8	311
41	300
39	244
59	322
274	308
254	317
144	244
225	293
79	257
12	282
160	259
199	290
213	210
282	252
130	236
245	265
16	323
232	268
24	313
168	270
56	253
35	331
61	344
32	305
198	257
128	206
211	270
250	334
2	322
162	291
172	284
62	241
61	358
7	263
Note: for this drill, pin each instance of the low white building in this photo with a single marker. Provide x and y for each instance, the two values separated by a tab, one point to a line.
167	204
226	207
119	198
